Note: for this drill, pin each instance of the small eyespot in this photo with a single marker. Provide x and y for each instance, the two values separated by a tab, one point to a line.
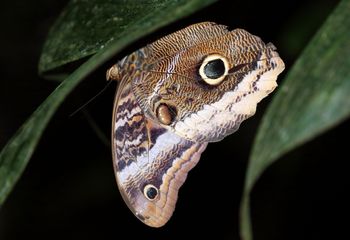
166	114
150	192
214	68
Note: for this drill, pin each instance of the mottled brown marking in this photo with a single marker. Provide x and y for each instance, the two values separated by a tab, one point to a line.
175	60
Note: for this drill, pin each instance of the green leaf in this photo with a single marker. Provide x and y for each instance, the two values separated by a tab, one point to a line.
314	97
16	154
86	27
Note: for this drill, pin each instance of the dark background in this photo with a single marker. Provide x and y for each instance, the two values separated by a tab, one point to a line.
68	189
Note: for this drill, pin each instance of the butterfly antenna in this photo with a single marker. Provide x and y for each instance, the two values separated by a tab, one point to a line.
93	98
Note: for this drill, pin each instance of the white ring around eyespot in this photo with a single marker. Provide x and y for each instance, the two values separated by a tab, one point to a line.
213	81
148	186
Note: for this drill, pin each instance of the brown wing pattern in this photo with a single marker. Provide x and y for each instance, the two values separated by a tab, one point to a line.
205	113
147	157
177	94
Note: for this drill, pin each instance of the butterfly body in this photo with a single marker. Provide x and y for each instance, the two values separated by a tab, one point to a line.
177	94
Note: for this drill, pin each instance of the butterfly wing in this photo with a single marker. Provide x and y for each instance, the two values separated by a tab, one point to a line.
191	87
171	76
150	162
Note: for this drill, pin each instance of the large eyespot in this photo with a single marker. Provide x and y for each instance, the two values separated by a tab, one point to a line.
214	68
150	192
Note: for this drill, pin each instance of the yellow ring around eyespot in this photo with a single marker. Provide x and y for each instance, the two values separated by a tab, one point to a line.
213	81
146	188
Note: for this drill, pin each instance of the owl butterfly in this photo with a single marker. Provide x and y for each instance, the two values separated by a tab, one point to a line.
176	95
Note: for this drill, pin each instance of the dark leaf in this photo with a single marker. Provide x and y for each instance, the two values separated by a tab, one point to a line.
313	98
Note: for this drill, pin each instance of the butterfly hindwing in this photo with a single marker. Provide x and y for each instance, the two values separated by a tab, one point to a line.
150	162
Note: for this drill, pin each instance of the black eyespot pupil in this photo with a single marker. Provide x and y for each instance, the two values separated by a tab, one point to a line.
152	193
214	69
